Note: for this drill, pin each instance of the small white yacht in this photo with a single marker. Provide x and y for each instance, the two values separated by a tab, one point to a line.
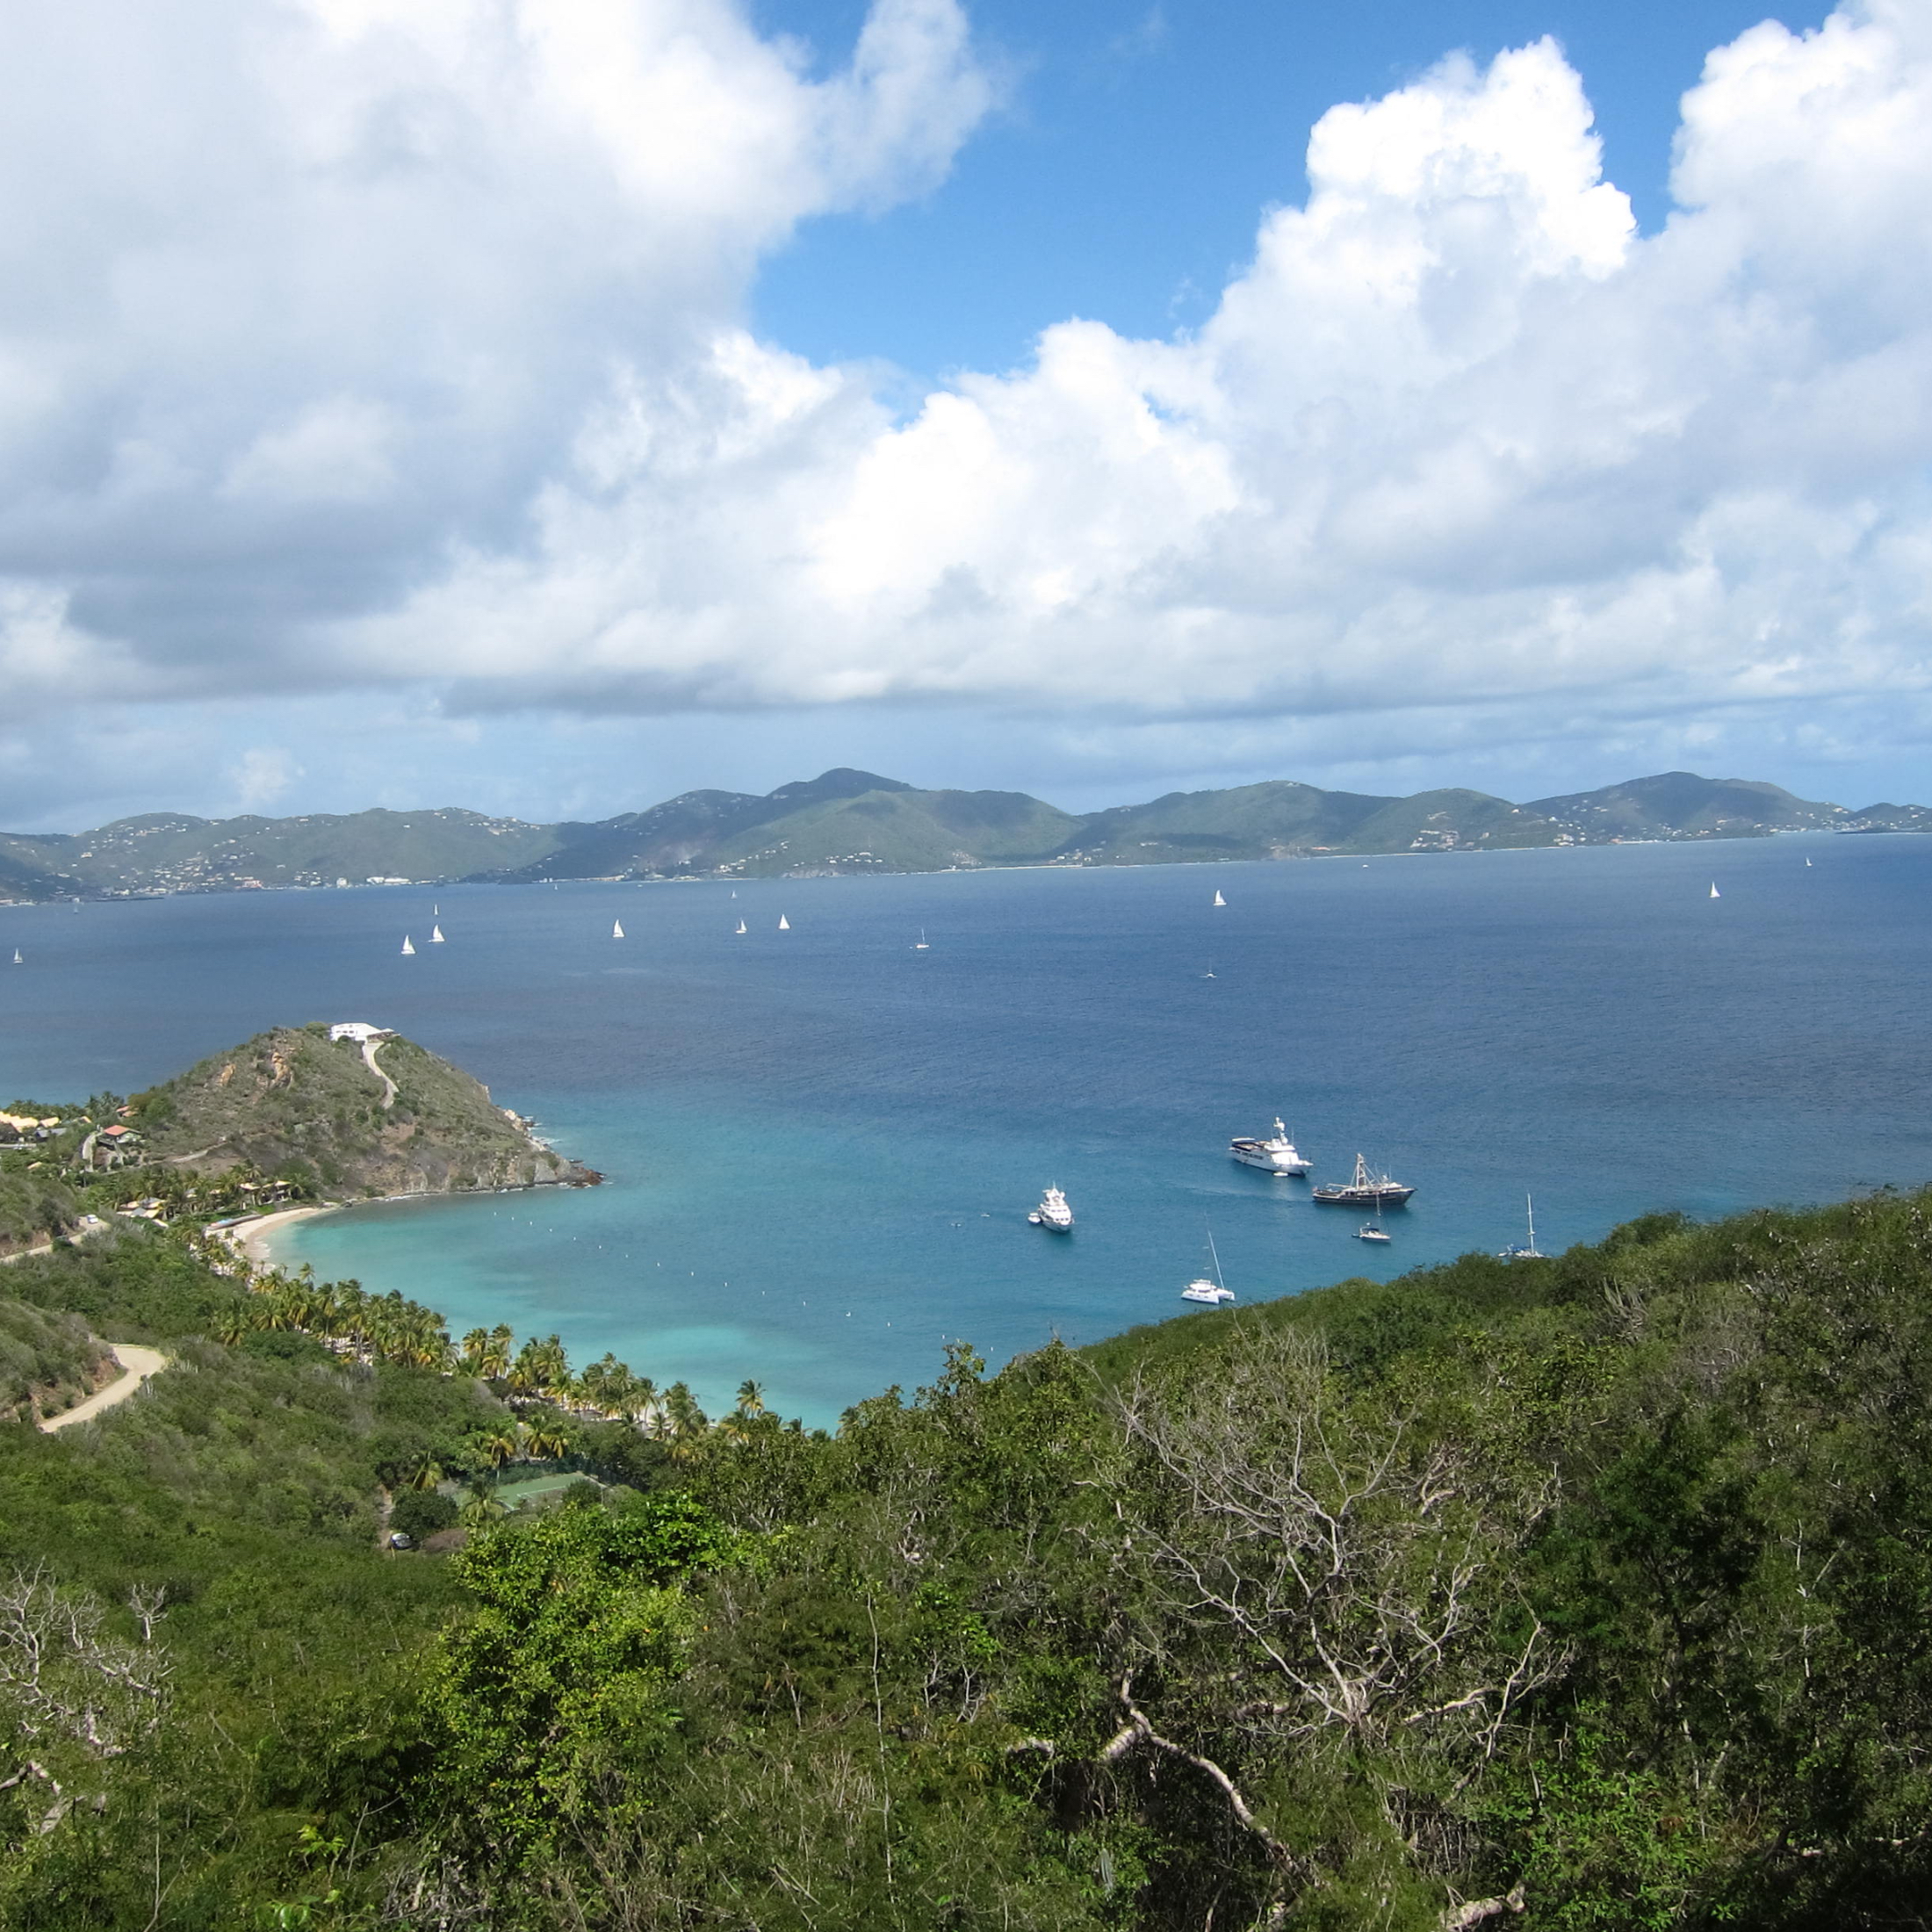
922	946
1519	1251
1218	899
409	950
784	923
1053	1213
436	935
1215	1294
616	928
740	930
1372	1231
1275	1156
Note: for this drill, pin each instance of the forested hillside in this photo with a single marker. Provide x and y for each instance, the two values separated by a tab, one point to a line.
1591	1589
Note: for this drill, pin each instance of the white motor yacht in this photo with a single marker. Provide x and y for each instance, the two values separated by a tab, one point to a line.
1053	1213
1275	1156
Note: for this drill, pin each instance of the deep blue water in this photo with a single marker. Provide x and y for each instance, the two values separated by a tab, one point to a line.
821	1144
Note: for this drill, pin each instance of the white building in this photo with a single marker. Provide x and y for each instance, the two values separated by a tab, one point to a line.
359	1030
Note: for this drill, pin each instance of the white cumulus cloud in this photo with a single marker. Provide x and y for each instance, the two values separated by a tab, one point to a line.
401	345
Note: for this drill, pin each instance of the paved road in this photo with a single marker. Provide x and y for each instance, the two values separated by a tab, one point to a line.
139	1363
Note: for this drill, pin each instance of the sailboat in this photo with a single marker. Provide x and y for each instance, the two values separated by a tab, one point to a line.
1372	1229
784	923
408	951
1218	899
436	935
1209	973
1518	1250
1807	865
616	928
1714	892
740	926
922	946
18	960
1214	1293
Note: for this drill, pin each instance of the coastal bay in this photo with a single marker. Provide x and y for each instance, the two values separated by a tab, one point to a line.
820	1144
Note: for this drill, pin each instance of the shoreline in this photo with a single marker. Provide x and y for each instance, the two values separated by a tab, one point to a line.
247	1237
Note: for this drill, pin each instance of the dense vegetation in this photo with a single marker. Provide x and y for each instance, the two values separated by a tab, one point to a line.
1591	1588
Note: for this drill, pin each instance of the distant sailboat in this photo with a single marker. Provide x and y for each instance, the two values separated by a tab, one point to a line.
616	928
18	960
741	925
1807	865
436	935
1218	899
1209	973
922	946
409	950
1714	892
784	923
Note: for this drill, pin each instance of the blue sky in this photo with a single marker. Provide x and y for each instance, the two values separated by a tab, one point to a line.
1124	177
553	405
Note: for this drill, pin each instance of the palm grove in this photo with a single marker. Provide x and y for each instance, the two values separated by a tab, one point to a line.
1585	1591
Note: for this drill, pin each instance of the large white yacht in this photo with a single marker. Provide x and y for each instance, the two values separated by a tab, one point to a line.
1276	1156
1053	1213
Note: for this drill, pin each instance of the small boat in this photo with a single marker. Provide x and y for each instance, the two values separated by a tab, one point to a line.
1807	865
1372	1229
784	923
408	951
1714	892
1218	899
1367	1190
436	935
1053	1213
740	926
1275	1156
1519	1251
616	928
1209	973
18	960
1215	1294
922	946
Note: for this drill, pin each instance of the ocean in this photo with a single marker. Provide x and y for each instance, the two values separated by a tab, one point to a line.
821	1144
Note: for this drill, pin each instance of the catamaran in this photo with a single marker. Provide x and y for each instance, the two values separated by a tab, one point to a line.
1215	1292
1520	1250
1275	1156
1053	1213
1367	1190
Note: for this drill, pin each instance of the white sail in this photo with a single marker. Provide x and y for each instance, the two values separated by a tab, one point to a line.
407	949
18	960
436	935
784	923
1714	892
1218	899
740	925
922	946
616	928
1807	865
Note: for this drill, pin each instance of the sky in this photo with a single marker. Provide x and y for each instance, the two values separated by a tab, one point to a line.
548	405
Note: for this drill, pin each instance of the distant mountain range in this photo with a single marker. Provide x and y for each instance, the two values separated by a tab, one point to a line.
856	822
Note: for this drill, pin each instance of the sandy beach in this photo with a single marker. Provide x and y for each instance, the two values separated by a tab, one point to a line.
250	1237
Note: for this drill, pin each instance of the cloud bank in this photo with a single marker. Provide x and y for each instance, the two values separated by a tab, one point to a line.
375	349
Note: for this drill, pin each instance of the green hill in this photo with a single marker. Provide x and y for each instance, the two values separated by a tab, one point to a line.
1679	804
294	1102
897	831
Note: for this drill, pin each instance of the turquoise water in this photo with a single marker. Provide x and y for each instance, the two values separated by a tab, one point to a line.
821	1144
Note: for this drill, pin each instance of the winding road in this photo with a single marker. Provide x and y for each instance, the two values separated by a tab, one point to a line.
139	1363
369	1061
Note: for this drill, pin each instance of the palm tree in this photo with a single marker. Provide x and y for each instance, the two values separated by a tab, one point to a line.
751	1398
501	1446
426	1474
545	1443
496	1357
476	1349
480	1509
231	1325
